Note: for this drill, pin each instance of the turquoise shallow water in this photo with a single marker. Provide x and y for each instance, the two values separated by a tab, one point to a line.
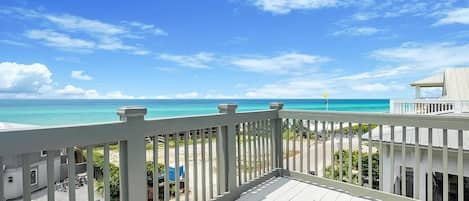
64	112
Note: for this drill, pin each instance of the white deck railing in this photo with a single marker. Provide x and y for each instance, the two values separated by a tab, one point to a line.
428	106
225	154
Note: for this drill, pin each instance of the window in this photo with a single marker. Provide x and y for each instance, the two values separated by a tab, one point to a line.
10	179
452	186
34	176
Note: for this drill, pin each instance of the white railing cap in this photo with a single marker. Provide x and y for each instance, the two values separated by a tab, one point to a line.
132	111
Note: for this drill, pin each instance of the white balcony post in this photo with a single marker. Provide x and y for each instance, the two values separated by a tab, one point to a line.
417	92
458	105
228	150
133	184
391	106
277	136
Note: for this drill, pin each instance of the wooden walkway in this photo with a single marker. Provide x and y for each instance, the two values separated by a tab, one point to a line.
284	188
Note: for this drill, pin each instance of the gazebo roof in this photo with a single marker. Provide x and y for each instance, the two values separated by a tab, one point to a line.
432	81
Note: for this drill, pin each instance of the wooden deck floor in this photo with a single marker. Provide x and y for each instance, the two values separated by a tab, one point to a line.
284	188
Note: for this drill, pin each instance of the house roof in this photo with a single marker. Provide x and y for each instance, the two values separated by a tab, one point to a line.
437	136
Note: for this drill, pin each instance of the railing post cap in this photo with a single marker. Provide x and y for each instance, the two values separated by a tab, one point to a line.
276	106
132	111
227	108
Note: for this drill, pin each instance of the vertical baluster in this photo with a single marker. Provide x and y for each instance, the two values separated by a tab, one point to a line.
2	191
332	151
316	154
259	151
177	177
202	151
360	133
370	156
244	153
430	165
50	175
350	150
210	165
301	130
324	139
287	145
417	165
308	146
404	162
381	157
460	166
445	164
294	144
238	153
219	161
156	172
195	172
166	166
392	160
71	173
341	151
254	132
250	148
264	145
186	166
269	142
90	171
106	174
27	177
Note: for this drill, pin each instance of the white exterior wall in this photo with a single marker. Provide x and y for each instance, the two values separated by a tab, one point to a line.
15	189
410	158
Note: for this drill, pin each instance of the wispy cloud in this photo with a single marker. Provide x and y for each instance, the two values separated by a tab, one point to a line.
425	56
376	87
199	60
286	6
70	31
456	16
280	64
80	75
357	31
55	39
15	43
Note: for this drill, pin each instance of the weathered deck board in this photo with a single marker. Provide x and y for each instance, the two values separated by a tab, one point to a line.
284	188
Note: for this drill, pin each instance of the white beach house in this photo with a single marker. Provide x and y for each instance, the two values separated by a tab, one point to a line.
415	153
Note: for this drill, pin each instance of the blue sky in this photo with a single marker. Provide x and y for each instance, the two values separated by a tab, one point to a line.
227	49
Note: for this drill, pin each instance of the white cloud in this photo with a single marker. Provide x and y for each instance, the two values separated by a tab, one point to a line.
118	95
375	87
285	6
293	88
456	16
281	64
52	38
426	56
199	60
80	75
358	31
187	95
24	78
71	91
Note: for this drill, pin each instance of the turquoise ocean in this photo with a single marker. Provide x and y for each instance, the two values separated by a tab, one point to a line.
66	112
